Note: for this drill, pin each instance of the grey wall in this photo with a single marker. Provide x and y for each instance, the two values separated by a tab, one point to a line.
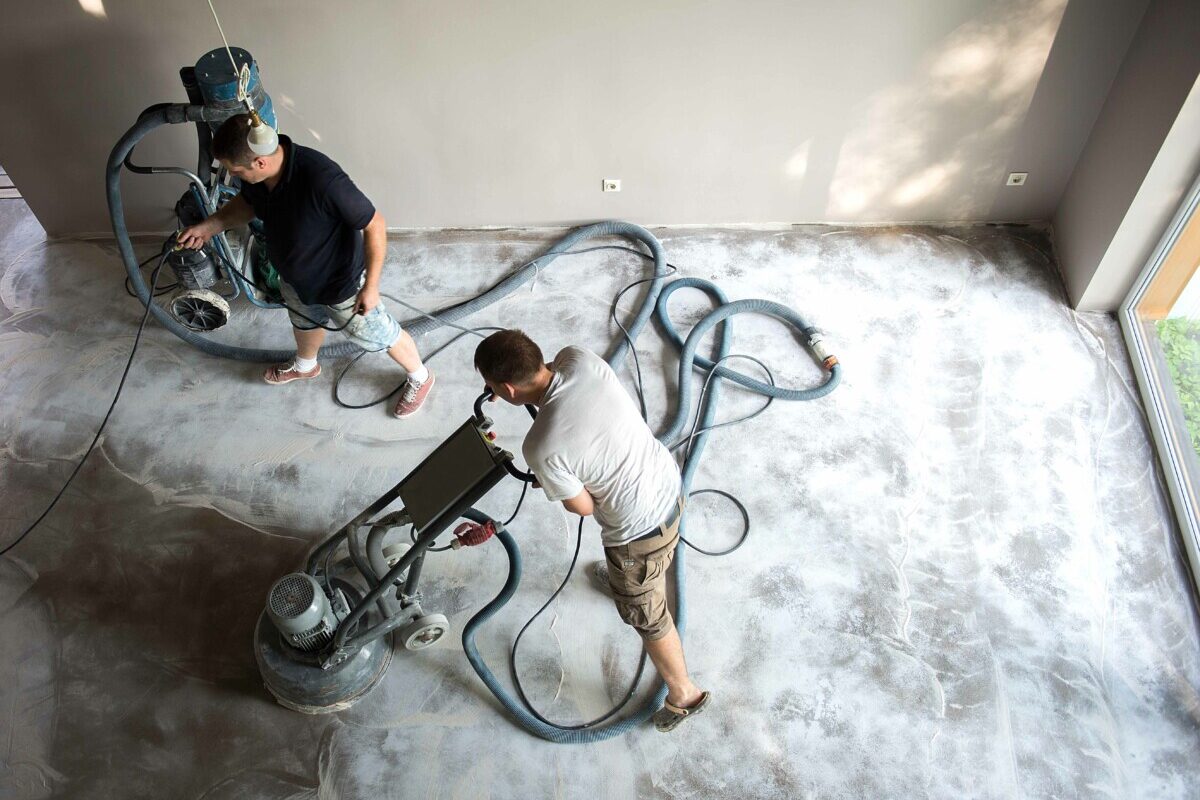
463	114
1091	41
1142	155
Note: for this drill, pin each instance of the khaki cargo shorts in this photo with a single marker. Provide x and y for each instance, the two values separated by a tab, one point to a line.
637	574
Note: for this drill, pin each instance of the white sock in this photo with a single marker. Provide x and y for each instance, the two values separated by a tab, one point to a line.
304	364
419	376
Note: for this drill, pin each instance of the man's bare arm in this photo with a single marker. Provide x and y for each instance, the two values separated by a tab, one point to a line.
234	213
374	250
582	504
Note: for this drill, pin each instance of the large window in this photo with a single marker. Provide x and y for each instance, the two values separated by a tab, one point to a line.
1161	320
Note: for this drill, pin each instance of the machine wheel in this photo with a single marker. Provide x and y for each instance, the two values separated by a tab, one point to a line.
425	631
200	310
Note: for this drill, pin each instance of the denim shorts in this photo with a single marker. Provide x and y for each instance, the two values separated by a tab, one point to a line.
377	330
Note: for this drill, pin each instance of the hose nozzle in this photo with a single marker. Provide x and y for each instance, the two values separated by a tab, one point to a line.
816	343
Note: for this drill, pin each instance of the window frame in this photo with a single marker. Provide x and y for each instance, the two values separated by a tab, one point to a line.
1148	365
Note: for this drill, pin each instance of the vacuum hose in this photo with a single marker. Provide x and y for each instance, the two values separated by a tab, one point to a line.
176	113
656	302
154	117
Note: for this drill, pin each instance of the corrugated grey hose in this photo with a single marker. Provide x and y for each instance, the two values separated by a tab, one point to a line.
423	325
154	117
689	360
173	114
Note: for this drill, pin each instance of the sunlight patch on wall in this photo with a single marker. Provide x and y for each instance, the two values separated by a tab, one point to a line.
797	165
94	7
946	131
925	184
286	103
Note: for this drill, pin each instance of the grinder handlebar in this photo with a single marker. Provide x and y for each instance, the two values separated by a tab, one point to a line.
488	395
484	423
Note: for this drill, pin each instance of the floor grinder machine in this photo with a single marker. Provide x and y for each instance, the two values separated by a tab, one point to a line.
325	638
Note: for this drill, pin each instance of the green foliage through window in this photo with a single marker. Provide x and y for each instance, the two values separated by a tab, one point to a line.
1180	339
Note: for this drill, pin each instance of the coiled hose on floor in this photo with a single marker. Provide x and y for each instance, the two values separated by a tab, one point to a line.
656	302
176	113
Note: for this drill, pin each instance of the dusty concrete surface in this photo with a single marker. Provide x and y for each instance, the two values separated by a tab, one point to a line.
962	579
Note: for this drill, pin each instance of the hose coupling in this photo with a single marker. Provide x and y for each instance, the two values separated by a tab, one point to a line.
470	534
816	343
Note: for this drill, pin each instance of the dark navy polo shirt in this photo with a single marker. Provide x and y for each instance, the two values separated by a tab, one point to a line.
313	220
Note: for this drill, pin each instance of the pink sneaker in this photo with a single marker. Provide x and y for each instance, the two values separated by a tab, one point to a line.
412	397
280	374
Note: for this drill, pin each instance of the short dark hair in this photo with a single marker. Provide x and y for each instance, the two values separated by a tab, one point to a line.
229	142
509	356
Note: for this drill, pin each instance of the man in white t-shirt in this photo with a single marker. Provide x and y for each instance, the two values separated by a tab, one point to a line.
590	450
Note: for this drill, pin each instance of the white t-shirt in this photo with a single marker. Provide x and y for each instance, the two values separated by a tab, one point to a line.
589	435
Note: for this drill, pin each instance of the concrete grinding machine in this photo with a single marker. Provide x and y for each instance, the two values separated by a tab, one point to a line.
325	637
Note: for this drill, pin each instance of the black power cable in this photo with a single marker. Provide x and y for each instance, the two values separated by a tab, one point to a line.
229	265
103	423
637	678
412	532
160	292
640	389
337	383
520	502
686	441
697	430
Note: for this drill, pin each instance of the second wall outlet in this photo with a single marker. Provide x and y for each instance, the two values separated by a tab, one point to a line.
611	185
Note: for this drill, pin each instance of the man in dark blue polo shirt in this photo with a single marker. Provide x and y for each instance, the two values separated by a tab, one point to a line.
327	242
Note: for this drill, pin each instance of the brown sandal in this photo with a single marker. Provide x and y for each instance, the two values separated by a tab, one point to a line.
669	716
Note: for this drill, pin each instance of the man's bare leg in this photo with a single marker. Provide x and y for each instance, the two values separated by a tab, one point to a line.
308	343
404	352
667	655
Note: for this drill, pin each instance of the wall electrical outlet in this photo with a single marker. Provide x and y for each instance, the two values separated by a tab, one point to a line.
1017	178
611	185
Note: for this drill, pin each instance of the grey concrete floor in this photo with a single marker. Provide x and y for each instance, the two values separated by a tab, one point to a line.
962	578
